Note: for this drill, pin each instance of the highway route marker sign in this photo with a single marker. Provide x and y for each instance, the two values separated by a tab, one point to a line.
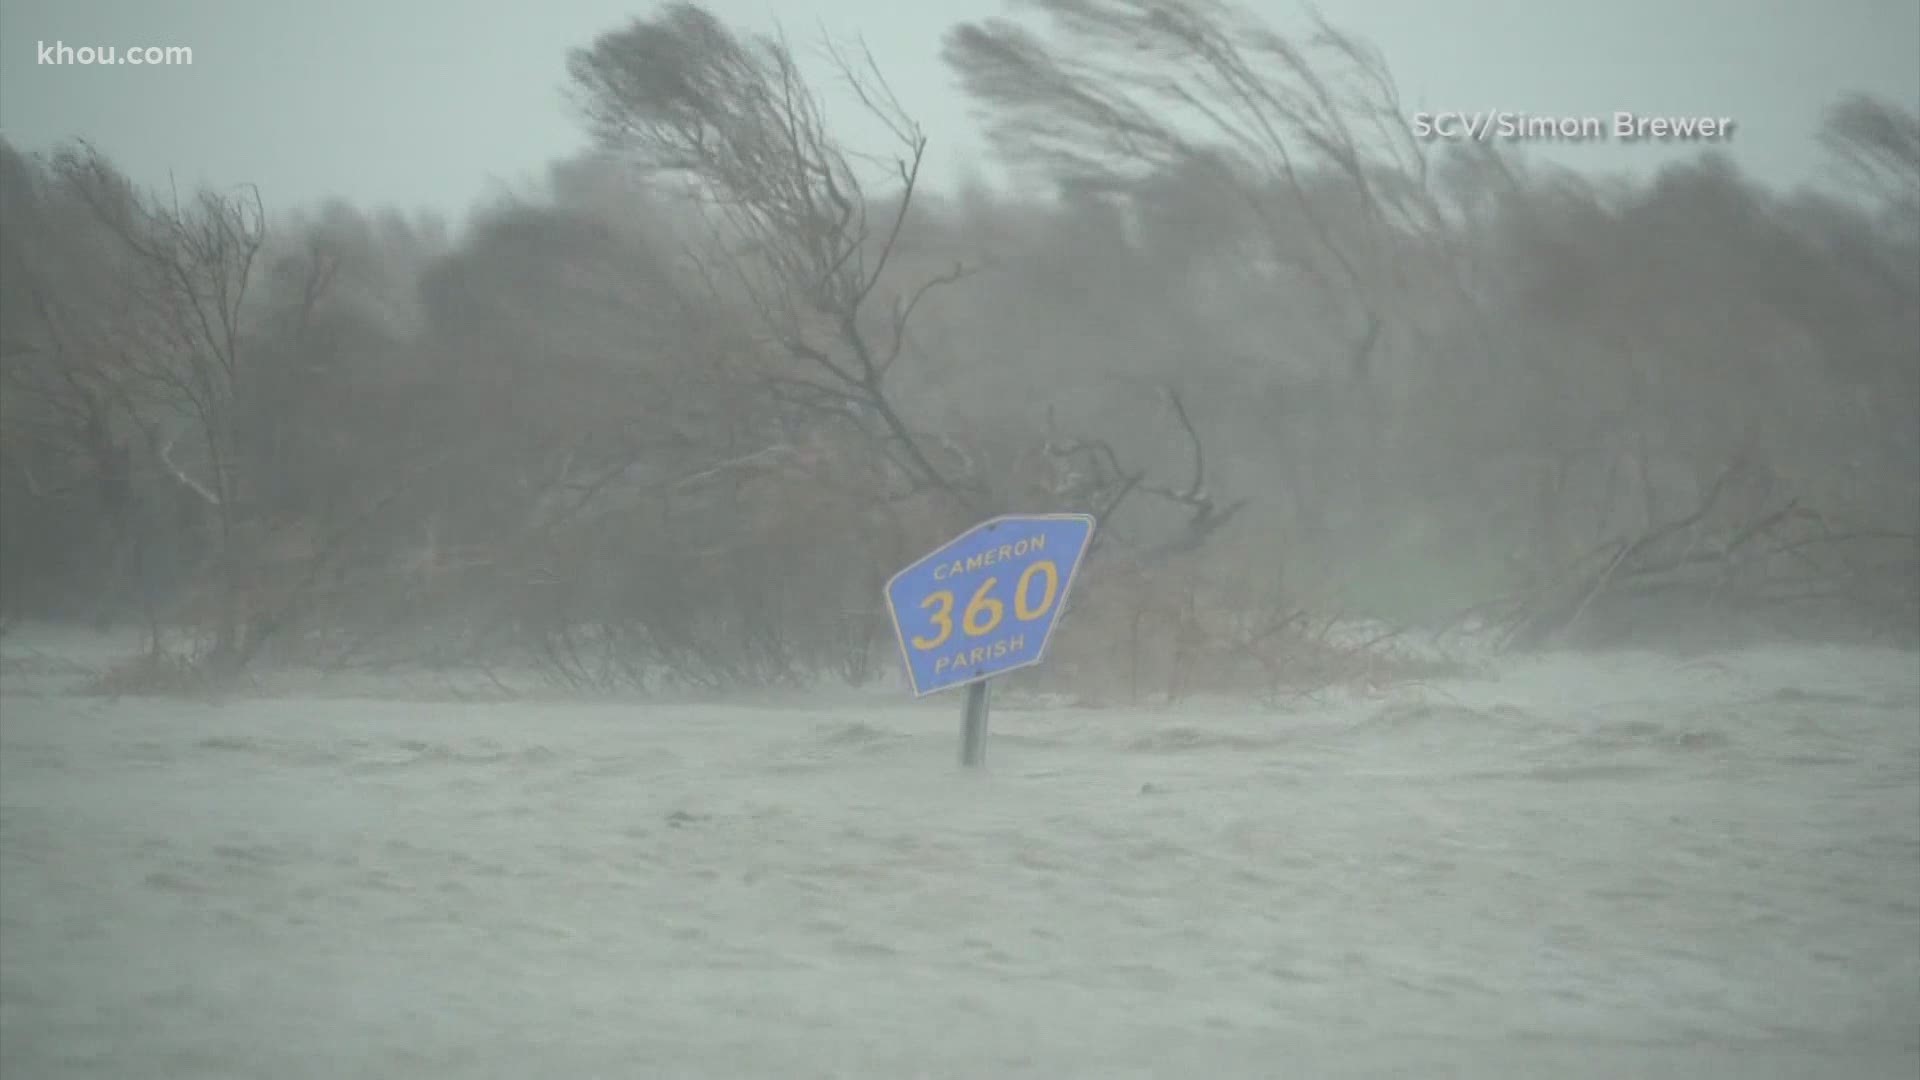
985	603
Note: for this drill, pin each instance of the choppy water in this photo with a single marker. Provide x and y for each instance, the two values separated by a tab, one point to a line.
1622	866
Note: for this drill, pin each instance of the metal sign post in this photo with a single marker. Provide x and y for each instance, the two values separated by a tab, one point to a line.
983	604
973	726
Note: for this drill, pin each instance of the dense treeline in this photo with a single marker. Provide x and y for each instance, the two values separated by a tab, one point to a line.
680	416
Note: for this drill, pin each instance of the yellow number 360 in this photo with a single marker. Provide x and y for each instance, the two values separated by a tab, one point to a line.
984	612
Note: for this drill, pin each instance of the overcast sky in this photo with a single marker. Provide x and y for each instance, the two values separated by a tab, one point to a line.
432	104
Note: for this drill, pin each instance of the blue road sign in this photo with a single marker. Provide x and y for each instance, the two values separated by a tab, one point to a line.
985	602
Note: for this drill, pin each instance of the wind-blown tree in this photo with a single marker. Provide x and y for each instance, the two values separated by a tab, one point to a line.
178	351
1307	138
730	122
1293	153
812	237
225	356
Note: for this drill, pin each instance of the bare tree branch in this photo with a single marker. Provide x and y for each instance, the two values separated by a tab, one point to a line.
206	494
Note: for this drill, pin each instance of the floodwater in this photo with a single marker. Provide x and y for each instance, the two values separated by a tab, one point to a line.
1625	865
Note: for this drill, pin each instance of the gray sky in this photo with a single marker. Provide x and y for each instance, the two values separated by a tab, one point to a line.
432	104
